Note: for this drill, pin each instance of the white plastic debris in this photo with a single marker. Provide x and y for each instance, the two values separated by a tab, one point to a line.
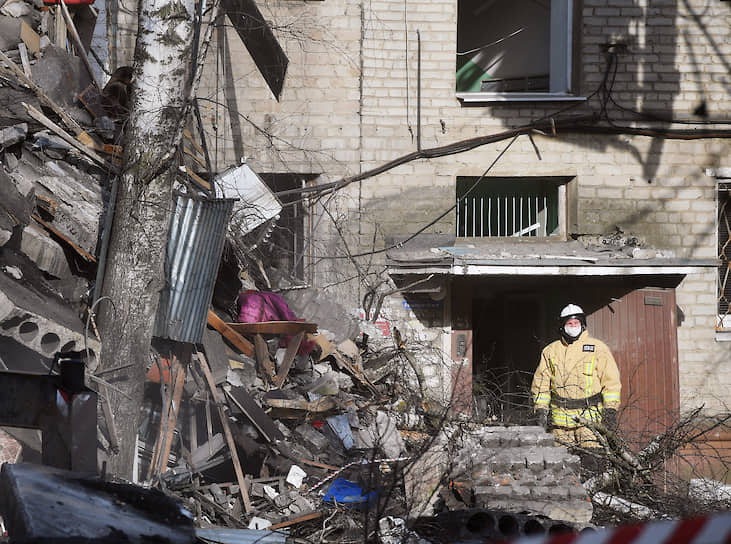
259	523
270	492
13	271
295	476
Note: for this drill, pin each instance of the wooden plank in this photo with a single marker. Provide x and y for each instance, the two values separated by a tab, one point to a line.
264	363
46	122
195	144
30	38
89	257
292	348
243	486
23	50
323	404
256	415
173	410
274	327
318	465
215	349
197	179
241	343
295	521
188	151
59	29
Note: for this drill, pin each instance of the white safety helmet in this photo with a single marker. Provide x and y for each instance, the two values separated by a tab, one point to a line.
572	310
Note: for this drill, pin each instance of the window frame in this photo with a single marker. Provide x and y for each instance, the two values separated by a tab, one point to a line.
723	187
560	67
565	205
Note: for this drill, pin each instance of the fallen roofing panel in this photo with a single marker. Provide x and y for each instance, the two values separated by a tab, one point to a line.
257	203
195	243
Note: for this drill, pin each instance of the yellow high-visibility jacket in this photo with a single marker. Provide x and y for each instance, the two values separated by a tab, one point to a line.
576	371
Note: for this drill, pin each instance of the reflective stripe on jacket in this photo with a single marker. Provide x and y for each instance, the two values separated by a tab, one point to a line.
576	371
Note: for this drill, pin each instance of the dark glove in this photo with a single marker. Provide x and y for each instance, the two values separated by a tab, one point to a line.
609	419
542	417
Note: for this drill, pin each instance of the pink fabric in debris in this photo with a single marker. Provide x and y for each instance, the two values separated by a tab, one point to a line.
258	306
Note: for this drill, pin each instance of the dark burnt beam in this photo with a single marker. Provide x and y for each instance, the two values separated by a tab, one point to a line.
260	41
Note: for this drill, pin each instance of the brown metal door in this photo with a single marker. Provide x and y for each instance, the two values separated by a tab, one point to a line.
641	330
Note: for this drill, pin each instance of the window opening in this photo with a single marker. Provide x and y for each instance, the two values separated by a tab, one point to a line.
509	207
513	47
287	242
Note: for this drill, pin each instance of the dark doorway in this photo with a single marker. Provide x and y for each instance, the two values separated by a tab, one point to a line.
508	338
514	318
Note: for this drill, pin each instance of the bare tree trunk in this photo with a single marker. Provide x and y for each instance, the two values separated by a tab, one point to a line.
134	274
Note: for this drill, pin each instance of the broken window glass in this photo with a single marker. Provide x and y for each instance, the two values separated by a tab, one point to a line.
513	47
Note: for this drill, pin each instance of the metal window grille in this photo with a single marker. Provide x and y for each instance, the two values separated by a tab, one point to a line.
507	207
724	255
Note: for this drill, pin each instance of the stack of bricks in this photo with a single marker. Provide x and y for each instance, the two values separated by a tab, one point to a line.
518	469
9	448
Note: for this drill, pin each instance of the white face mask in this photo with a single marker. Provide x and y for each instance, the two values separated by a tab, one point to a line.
573	332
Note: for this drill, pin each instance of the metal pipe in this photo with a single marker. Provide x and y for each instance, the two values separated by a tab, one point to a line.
418	92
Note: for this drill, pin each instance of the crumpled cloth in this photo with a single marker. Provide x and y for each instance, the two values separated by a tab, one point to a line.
258	306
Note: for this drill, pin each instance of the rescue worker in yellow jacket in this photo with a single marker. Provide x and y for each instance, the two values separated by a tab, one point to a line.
576	377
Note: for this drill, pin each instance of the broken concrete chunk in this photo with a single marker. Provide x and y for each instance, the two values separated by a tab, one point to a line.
424	479
218	495
48	255
382	435
283	429
42	324
15	8
63	77
312	437
13	271
12	135
324	385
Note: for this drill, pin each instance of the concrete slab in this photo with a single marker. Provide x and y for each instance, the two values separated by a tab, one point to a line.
44	504
42	324
45	252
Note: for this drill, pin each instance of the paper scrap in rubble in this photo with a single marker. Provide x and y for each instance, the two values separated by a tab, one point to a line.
295	476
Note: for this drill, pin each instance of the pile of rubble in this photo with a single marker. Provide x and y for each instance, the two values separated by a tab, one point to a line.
320	440
294	422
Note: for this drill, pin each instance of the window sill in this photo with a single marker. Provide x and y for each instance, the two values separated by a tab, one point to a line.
723	335
519	97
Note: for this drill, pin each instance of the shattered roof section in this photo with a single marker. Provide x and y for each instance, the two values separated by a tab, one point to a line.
440	251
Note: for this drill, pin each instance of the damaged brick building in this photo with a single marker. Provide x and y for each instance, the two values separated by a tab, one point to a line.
448	176
604	182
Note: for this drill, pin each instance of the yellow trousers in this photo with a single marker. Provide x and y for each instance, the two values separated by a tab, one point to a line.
575	437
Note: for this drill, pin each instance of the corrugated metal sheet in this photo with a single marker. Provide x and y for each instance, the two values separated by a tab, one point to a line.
241	536
195	243
641	330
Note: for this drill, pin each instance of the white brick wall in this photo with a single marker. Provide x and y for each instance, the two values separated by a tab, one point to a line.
350	104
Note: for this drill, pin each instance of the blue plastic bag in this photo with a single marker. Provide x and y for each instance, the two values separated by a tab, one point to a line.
349	493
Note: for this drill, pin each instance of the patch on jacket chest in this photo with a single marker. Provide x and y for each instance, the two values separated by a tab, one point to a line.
588	347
